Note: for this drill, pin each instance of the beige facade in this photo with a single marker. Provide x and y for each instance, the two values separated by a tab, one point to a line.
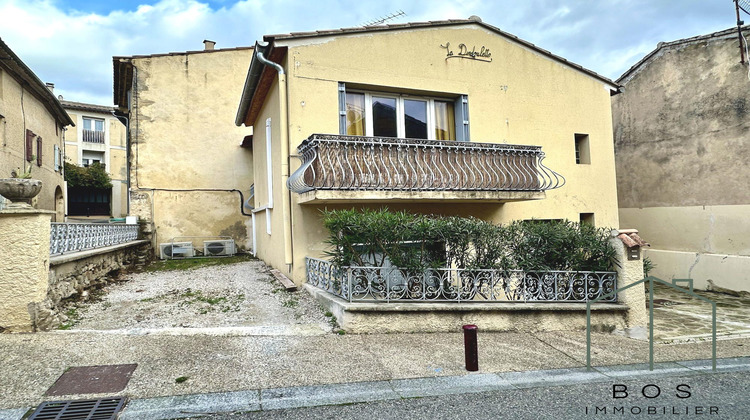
681	129
515	94
99	136
32	126
188	174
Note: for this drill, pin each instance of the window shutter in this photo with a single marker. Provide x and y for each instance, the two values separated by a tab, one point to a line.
57	158
29	145
461	107
342	108
38	151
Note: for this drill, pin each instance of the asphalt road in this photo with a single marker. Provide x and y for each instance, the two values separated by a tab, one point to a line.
717	396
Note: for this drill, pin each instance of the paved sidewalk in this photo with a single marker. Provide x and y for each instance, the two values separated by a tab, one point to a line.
275	368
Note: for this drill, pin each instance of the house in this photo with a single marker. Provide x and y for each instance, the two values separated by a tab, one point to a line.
450	117
681	144
100	137
32	130
189	177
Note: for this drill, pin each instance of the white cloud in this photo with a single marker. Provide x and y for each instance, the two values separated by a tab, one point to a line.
74	49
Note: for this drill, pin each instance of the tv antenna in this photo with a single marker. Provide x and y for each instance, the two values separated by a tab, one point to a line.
743	5
388	17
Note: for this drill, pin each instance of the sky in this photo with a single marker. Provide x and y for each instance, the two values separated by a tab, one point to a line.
71	42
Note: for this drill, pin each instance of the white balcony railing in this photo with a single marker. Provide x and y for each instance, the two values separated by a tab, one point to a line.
73	237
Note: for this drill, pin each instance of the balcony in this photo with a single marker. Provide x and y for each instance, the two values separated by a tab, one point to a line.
338	168
93	136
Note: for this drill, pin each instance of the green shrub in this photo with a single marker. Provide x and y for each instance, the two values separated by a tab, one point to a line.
93	176
417	242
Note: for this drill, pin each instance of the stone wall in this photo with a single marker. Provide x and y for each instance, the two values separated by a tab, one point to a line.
71	274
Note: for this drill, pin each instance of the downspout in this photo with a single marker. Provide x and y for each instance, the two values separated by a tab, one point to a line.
284	123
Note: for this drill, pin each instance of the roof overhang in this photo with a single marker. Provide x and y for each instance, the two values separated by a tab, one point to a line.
14	66
258	83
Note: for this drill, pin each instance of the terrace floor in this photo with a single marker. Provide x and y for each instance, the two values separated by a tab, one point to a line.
679	317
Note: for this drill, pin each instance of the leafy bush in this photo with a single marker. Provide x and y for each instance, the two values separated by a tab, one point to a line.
417	242
93	176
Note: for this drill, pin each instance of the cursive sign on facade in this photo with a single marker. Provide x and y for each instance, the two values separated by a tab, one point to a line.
464	52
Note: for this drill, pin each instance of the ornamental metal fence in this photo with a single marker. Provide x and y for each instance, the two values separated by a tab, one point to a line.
393	284
74	237
338	162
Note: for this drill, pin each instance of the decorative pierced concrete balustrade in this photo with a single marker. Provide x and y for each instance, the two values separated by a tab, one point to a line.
338	162
391	284
73	237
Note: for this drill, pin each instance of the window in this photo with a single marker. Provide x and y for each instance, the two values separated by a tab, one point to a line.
379	114
89	158
93	130
587	219
582	149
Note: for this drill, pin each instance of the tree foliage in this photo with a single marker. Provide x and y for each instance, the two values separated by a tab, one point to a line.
93	176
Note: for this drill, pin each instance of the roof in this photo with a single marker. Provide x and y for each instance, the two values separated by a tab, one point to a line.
80	106
12	64
431	24
123	70
660	47
258	81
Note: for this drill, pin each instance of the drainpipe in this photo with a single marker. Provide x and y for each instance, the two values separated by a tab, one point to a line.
284	123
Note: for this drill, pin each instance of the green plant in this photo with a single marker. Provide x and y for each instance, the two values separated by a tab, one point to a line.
648	265
26	174
93	176
415	243
181	379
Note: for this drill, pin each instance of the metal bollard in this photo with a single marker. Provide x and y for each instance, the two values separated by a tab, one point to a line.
470	347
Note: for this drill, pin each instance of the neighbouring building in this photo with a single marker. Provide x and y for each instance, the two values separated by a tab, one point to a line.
681	130
99	136
189	177
32	127
450	117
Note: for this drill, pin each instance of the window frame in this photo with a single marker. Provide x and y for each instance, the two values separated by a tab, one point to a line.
400	111
93	125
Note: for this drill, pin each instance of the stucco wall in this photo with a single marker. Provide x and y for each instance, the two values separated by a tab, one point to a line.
521	97
21	110
183	138
24	258
681	128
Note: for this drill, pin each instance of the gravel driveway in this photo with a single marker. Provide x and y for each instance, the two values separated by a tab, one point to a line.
235	295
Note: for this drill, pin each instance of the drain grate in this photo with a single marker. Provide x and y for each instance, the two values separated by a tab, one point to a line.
101	409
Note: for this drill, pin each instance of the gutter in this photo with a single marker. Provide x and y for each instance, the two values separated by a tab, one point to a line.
253	76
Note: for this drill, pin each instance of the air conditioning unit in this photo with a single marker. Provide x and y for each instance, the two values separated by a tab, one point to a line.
176	250
219	247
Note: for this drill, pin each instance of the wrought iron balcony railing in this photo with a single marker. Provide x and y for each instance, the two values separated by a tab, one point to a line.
393	284
73	237
338	162
93	136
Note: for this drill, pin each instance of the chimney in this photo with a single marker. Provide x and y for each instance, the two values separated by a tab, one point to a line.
50	86
209	45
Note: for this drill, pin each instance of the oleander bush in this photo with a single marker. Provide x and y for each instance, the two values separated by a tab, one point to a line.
415	242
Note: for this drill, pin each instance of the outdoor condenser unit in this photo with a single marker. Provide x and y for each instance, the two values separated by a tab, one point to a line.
219	247
176	250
